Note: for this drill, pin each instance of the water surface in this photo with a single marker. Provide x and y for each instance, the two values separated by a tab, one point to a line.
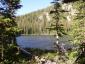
39	41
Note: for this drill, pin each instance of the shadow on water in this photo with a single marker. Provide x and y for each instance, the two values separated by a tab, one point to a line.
41	41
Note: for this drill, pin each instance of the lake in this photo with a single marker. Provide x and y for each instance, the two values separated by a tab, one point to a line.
40	41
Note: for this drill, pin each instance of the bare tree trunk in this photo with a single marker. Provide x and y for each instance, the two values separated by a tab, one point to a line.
57	39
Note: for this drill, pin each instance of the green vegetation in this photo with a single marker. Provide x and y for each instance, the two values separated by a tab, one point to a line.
39	21
77	30
66	18
8	31
36	22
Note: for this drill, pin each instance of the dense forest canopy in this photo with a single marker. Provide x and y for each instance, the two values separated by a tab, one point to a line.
37	22
8	30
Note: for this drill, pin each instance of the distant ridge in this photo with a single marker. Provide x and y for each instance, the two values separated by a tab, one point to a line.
36	22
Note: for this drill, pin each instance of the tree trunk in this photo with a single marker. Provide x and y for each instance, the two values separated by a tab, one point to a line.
57	39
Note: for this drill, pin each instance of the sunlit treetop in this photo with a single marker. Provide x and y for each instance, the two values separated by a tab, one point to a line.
67	1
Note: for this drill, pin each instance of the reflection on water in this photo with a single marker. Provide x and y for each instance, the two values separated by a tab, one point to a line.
37	41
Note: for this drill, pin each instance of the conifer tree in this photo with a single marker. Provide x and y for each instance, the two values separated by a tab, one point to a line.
8	26
56	24
77	31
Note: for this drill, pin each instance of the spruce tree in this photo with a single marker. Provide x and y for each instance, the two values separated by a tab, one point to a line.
8	27
77	31
56	24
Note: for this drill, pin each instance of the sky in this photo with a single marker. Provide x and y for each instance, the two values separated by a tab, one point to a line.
32	5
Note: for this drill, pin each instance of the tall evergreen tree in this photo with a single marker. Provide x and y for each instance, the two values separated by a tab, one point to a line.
78	24
8	26
78	28
56	23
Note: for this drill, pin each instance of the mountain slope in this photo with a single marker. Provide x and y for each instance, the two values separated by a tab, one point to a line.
37	22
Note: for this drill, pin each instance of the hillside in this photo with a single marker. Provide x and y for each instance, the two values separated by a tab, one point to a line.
37	22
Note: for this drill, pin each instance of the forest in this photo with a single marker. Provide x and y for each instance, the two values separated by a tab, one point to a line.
63	19
39	21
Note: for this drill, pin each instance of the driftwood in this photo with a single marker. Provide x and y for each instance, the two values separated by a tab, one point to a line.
26	54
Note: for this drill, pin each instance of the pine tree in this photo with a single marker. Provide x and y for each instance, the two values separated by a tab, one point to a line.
78	26
56	24
8	26
77	31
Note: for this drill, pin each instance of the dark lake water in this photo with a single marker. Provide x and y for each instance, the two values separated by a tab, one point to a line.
40	41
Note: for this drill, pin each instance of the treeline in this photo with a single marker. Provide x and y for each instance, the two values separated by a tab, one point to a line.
39	21
36	22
